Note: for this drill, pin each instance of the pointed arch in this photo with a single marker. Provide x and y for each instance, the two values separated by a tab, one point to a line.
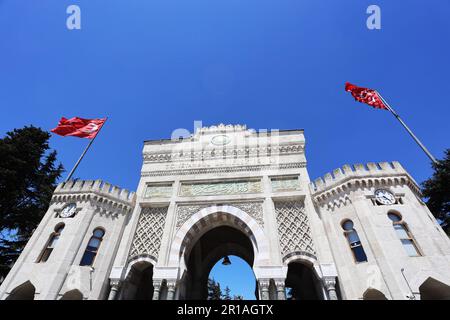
25	291
432	289
74	294
210	217
373	294
138	283
431	285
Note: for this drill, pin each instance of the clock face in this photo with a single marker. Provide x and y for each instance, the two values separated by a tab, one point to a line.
384	196
68	210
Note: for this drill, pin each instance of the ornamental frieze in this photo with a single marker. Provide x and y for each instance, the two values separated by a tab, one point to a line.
285	184
219	153
220	188
222	169
158	191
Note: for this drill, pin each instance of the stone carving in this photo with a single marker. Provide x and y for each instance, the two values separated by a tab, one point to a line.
222	169
147	238
264	288
285	184
158	190
217	188
330	286
222	128
185	212
293	228
209	154
254	209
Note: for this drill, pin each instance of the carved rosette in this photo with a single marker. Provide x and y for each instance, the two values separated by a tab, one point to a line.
147	238
254	209
293	228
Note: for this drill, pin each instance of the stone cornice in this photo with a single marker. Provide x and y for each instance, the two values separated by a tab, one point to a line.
223	153
246	168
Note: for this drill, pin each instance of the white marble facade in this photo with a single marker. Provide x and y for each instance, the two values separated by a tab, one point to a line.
253	190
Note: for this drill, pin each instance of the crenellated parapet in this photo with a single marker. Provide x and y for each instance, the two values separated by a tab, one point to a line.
97	190
359	175
222	128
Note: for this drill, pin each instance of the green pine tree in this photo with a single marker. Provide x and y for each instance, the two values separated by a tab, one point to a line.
227	294
436	190
28	176
214	291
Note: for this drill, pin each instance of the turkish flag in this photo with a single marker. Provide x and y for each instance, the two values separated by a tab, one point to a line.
79	127
365	95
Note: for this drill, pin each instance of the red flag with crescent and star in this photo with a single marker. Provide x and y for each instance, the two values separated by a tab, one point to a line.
79	127
365	95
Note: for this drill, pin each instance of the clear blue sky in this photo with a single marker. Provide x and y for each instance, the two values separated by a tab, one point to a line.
153	66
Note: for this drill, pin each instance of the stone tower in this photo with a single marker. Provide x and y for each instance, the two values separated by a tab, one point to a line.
361	232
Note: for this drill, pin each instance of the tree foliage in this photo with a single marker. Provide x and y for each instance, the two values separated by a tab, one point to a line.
227	294
215	292
28	176
437	191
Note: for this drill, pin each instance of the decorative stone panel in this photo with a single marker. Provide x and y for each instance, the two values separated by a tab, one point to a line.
293	228
254	209
285	184
218	188
158	191
147	238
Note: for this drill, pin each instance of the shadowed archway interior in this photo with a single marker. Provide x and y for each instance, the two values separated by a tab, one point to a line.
301	283
207	250
139	282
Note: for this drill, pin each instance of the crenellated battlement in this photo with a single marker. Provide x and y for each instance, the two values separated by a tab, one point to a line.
221	128
95	186
348	172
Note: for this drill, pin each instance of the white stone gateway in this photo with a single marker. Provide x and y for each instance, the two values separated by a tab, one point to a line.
361	232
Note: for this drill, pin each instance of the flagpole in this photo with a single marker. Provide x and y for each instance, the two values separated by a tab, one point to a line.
407	129
82	155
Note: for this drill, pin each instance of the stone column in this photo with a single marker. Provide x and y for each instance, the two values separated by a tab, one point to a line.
264	288
171	290
281	293
156	289
115	284
330	286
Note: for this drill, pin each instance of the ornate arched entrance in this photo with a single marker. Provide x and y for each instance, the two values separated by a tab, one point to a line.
207	237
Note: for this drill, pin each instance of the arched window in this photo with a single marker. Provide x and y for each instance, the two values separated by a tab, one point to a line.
353	241
402	231
51	243
92	247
